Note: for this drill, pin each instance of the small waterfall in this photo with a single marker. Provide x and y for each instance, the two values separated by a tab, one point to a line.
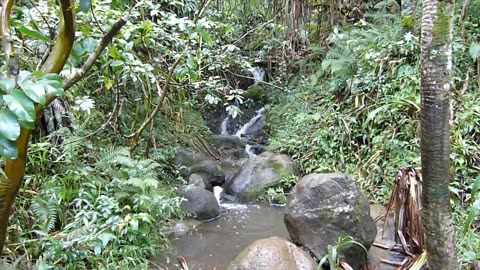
224	125
249	124
217	191
248	149
258	73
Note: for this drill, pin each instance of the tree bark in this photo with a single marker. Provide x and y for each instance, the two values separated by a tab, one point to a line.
436	67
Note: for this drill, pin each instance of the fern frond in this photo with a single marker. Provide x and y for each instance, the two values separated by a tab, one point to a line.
46	213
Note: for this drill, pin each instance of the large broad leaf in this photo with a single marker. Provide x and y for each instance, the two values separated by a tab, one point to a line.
33	34
8	148
9	126
22	107
35	91
23	76
52	83
474	51
6	85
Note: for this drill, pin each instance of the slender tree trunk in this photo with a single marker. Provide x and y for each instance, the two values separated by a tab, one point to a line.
436	66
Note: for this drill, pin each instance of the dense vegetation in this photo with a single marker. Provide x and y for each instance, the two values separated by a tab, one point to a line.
343	85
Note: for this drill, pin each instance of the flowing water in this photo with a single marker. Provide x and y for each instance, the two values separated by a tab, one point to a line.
218	242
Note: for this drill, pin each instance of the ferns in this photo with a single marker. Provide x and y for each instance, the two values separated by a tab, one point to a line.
46	213
118	164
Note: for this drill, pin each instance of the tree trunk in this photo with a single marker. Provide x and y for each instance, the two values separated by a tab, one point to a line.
436	66
56	116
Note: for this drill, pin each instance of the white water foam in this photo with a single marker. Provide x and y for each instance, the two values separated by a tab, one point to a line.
244	128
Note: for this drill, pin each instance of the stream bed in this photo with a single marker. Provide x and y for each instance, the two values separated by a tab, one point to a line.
216	243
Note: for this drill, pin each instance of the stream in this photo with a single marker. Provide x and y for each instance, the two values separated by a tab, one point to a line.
218	242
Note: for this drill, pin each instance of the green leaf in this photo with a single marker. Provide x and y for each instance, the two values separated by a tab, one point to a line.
116	63
23	76
84	5
6	85
471	214
10	128
52	83
474	51
34	91
105	238
206	37
22	107
8	148
33	34
475	187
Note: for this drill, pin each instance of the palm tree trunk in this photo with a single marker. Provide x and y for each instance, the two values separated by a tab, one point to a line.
436	66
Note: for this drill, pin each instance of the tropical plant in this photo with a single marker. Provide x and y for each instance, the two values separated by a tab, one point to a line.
333	257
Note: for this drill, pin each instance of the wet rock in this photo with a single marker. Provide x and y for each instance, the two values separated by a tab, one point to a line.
256	93
257	174
184	159
227	141
200	202
198	181
211	172
182	227
272	253
323	207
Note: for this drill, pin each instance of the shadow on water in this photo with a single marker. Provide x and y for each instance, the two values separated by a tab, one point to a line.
218	242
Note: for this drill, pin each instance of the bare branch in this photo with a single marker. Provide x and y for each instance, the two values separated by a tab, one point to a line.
95	54
136	135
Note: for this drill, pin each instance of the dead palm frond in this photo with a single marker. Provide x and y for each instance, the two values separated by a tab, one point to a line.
406	203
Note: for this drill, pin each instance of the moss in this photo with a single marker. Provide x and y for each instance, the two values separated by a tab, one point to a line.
276	166
407	21
441	26
255	92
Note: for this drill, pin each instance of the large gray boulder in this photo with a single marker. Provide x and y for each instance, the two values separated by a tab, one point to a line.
323	207
210	171
256	175
200	202
226	141
272	253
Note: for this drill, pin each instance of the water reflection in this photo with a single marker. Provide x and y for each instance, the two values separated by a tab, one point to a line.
217	242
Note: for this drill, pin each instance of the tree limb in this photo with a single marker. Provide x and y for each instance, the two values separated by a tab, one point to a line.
5	31
64	40
107	39
136	135
15	168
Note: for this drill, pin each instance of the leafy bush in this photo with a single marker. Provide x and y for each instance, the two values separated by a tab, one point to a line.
110	214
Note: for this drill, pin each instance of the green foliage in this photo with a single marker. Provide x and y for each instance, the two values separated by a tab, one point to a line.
108	214
333	256
277	194
362	119
475	207
17	105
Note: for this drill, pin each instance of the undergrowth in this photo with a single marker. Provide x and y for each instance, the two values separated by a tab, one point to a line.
109	213
357	111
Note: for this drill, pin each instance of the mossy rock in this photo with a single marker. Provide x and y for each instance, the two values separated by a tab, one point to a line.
255	92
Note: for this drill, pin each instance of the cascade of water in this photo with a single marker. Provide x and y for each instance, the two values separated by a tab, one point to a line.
224	125
217	191
248	149
250	123
258	73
